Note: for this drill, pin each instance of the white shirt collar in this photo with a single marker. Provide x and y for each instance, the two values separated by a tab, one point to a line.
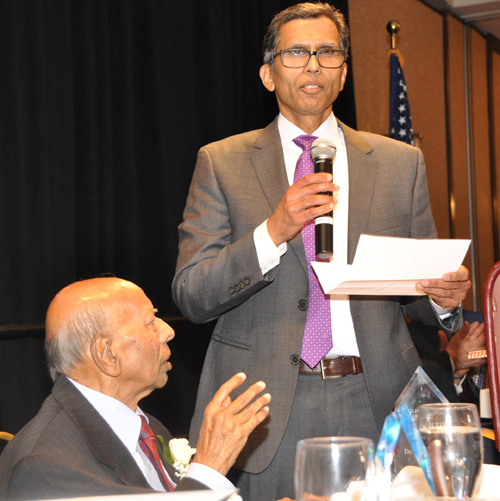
288	131
122	420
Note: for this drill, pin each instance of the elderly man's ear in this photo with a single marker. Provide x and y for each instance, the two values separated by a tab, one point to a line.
104	355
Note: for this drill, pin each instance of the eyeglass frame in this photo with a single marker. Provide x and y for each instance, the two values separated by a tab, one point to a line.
311	53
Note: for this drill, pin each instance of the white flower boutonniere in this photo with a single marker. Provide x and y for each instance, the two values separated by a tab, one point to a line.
178	454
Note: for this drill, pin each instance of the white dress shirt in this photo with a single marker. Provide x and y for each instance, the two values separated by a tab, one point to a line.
127	426
343	334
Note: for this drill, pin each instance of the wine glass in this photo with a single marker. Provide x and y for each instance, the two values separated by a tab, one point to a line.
333	466
452	435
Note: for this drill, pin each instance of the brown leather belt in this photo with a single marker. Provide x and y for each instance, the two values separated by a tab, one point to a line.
333	367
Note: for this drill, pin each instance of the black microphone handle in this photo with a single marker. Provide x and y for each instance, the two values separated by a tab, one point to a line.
324	223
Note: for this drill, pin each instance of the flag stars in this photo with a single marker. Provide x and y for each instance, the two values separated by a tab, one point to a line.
400	119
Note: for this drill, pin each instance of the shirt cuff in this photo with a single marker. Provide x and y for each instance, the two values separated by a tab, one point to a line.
208	476
458	384
457	381
443	313
267	253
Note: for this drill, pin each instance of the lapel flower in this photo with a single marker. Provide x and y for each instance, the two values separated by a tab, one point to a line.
178	454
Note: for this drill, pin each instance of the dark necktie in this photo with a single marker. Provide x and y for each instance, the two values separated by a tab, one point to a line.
147	444
318	331
480	376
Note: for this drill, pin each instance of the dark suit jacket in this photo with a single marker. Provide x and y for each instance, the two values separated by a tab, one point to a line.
438	367
237	184
437	363
68	450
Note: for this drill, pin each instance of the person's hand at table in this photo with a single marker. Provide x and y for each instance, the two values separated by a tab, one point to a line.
469	338
448	291
227	424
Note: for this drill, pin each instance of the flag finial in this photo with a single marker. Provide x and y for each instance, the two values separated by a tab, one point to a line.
393	27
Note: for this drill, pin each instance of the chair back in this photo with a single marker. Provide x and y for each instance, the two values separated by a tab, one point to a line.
491	300
6	436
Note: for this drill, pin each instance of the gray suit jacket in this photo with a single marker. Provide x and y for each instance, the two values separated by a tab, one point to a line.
237	184
68	450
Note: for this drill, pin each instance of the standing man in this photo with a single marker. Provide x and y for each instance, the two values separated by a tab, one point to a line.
244	258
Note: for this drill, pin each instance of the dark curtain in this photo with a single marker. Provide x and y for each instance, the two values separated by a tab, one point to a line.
103	106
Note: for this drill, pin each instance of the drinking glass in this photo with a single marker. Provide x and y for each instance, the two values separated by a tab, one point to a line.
333	466
452	435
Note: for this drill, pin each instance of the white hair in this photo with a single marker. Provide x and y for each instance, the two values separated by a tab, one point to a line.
65	347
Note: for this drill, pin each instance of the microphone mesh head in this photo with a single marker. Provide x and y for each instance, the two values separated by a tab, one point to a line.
323	148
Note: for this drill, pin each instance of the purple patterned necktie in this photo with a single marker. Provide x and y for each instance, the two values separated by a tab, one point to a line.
147	443
318	331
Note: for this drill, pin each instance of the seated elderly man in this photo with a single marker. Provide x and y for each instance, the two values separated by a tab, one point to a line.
106	349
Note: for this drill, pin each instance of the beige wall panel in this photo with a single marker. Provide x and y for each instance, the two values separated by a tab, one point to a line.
421	44
457	135
481	158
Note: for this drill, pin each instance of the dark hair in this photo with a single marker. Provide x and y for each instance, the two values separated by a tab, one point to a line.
303	11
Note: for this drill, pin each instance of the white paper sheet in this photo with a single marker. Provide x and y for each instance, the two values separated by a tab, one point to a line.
391	266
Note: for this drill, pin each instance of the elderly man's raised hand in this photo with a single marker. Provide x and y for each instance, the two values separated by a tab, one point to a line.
227	424
448	291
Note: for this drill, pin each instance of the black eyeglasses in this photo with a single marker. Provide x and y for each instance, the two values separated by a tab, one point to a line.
299	58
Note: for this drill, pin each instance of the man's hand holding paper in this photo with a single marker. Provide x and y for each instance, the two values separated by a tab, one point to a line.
448	291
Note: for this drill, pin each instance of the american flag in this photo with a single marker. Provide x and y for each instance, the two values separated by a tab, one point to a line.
400	117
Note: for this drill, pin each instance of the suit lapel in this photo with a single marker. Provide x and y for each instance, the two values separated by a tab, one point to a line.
166	436
106	446
269	166
362	176
170	469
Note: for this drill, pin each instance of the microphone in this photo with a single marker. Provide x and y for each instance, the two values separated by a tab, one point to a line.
323	152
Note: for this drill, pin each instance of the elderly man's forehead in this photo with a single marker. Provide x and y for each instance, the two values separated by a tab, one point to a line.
86	291
97	288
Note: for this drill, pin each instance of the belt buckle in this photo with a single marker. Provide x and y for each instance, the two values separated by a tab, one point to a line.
326	376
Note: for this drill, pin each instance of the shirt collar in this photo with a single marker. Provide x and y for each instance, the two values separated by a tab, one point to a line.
288	131
122	420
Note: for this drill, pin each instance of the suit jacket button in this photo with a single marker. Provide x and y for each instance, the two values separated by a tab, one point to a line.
236	288
302	304
231	290
294	359
242	285
247	281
